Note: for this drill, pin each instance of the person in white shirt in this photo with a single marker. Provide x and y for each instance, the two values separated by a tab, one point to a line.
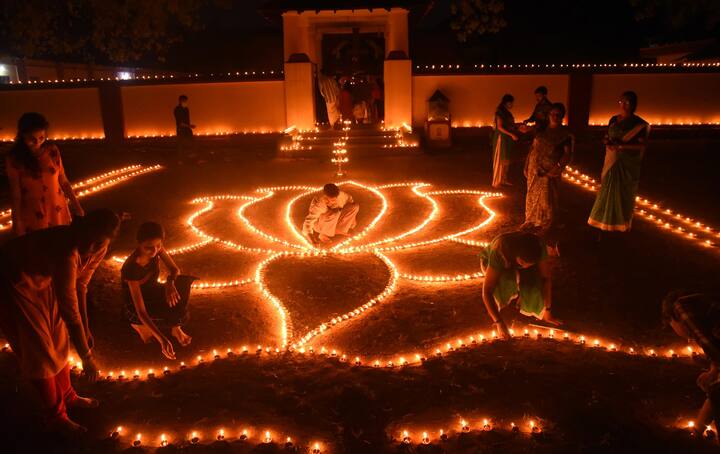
331	213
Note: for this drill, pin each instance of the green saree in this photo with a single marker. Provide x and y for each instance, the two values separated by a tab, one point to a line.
502	146
523	283
615	201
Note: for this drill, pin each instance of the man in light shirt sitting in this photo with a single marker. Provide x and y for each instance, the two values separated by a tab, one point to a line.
331	213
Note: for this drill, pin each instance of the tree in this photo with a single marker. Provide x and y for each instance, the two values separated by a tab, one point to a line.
477	17
114	30
681	20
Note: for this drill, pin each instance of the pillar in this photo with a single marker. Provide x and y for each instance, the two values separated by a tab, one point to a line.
299	95
398	93
296	35
111	109
397	33
299	77
579	100
397	70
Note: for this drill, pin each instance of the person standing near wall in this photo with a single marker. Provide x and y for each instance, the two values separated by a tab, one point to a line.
183	126
625	144
330	91
541	112
39	189
504	137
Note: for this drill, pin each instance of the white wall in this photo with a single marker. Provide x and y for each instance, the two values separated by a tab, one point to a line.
474	98
214	107
72	112
662	98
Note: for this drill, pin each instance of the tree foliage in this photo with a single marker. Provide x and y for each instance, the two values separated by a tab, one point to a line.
477	17
114	30
678	19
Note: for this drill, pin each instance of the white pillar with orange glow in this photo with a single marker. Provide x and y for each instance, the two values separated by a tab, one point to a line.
299	88
397	71
299	95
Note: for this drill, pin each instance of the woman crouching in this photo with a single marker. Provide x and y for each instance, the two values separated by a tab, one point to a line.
152	308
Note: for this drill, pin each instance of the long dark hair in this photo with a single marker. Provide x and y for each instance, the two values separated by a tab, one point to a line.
28	123
505	99
523	245
95	226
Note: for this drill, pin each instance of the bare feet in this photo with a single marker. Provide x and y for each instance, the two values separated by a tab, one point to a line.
182	337
323	238
548	318
84	402
144	332
66	427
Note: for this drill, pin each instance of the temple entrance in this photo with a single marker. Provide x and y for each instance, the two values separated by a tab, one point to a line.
352	64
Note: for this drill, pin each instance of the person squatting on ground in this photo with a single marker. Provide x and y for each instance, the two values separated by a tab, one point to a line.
39	189
696	317
331	213
517	271
154	309
43	285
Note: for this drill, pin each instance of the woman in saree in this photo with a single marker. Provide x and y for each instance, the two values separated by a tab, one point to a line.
504	137
517	271
625	145
552	150
43	285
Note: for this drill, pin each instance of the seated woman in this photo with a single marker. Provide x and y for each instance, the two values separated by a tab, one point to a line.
516	270
153	308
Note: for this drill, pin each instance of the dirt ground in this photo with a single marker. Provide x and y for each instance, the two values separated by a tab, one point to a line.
586	400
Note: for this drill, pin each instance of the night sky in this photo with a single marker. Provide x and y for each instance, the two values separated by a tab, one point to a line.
245	35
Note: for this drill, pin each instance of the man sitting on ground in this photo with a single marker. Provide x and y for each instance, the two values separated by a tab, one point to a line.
696	317
331	213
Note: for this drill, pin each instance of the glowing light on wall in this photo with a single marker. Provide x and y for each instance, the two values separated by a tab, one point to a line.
534	67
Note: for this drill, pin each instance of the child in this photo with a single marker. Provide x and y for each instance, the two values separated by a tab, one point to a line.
153	308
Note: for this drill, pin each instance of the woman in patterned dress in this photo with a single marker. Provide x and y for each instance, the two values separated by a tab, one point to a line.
552	150
39	189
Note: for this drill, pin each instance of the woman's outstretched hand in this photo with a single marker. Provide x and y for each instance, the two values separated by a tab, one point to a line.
171	294
90	369
167	348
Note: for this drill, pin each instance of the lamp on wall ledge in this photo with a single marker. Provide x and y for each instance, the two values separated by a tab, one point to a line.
437	125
